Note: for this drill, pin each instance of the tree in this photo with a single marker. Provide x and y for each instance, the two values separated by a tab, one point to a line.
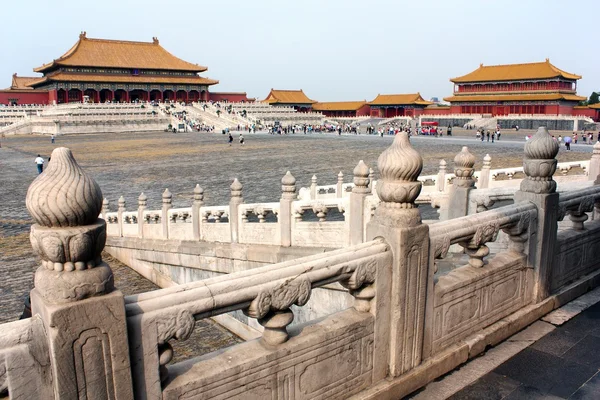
594	98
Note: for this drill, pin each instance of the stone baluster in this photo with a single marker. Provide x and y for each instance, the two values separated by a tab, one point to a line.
441	177
120	212
320	211
339	190
539	164
142	202
167	199
485	175
74	295
196	205
105	209
399	305
594	169
476	247
357	203
371	177
458	202
234	205
288	194
313	187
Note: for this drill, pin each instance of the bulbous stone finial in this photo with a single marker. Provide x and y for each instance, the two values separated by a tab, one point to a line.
463	168
341	176
68	235
314	179
596	149
167	197
487	159
399	167
105	207
142	200
361	178
542	146
443	164
122	202
64	195
198	193
236	188
288	186
539	163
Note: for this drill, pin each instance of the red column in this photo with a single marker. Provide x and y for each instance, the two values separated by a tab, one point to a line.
66	96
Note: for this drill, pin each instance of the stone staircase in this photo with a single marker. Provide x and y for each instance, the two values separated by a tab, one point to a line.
484	122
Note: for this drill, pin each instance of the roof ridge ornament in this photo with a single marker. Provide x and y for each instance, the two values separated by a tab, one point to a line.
155	40
82	35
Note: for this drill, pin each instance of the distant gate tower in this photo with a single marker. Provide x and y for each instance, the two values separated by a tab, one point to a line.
533	88
117	70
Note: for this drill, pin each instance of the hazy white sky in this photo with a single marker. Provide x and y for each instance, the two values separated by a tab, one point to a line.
333	49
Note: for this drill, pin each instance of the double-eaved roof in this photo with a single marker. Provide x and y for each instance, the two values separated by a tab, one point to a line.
511	72
287	97
106	53
399	99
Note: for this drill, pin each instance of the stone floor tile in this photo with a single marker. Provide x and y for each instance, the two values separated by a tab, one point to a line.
490	387
546	372
525	392
589	390
585	352
559	341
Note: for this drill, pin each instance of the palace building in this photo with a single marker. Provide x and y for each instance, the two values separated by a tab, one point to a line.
533	88
107	70
398	105
290	98
342	108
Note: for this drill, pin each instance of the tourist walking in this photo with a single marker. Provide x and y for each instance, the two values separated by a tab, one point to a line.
241	139
39	161
488	136
568	140
230	139
52	139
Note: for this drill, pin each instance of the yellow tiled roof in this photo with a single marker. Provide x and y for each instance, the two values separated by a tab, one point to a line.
22	82
174	80
339	105
509	72
517	97
288	97
595	106
399	99
120	54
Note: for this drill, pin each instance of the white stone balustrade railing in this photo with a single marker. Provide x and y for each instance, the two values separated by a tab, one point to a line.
267	293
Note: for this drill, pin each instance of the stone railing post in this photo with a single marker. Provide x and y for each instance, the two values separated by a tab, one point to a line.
441	177
339	190
167	199
288	194
594	169
120	212
313	187
234	206
105	208
196	205
142	201
371	177
400	292
357	203
458	201
538	187
74	295
485	175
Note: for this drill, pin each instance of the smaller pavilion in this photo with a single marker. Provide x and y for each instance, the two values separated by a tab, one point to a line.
290	98
20	93
398	105
342	108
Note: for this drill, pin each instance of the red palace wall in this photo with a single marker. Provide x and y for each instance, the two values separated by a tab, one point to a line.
585	112
363	111
23	96
437	111
230	97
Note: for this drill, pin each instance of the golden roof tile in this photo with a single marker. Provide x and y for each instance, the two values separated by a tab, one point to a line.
288	97
516	97
174	80
509	72
339	105
106	53
399	99
22	82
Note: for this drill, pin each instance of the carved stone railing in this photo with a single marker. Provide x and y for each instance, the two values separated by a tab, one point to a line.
267	293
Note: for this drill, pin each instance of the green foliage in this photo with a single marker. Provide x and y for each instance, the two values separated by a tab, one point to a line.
594	99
